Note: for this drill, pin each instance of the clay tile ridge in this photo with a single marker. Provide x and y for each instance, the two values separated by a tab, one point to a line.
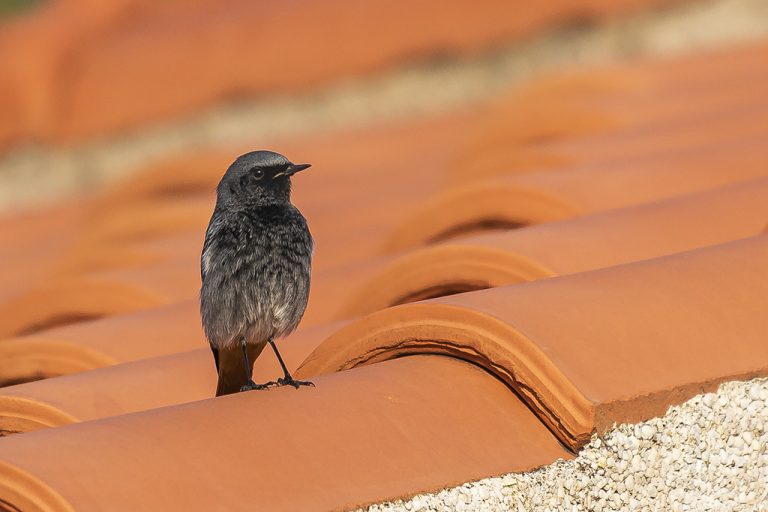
313	453
114	339
477	262
534	252
545	339
66	300
486	261
544	196
119	83
610	113
133	385
591	349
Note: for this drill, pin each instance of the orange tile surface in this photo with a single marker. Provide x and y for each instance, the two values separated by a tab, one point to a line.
468	333
588	242
558	248
477	262
545	196
133	384
114	60
86	345
652	327
321	437
60	301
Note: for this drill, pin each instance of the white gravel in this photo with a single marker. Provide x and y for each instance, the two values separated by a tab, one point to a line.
709	454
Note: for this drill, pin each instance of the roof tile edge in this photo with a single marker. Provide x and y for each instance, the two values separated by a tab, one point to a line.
470	335
30	493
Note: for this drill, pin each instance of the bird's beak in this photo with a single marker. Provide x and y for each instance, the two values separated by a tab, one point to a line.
293	169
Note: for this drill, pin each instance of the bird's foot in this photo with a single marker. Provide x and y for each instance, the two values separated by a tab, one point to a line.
252	385
290	381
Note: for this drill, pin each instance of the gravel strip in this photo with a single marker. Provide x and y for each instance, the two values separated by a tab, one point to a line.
708	454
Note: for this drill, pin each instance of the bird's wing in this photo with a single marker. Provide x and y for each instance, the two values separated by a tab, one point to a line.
206	258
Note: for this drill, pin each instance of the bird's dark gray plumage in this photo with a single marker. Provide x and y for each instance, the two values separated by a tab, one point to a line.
255	266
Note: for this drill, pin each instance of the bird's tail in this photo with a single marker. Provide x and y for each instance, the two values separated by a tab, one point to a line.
231	366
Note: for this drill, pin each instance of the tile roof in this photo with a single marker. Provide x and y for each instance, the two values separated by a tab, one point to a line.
114	59
543	338
384	413
491	286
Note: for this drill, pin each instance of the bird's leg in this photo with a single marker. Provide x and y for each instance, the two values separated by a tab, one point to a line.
287	380
249	384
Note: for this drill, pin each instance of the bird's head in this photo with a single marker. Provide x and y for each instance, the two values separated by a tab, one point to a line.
258	178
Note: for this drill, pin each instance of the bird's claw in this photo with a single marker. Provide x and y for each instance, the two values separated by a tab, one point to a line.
252	385
290	381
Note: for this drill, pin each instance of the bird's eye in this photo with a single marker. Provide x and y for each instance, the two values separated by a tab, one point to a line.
258	174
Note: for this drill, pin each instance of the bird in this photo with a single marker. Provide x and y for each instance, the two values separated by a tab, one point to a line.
255	268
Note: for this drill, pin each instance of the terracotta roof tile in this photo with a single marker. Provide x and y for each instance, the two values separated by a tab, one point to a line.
396	403
511	350
590	117
622	146
114	60
30	242
390	144
477	262
545	196
618	180
558	248
59	301
85	345
653	325
132	383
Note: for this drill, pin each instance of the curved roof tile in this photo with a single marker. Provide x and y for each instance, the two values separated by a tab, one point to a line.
114	60
558	248
328	429
183	375
545	196
652	325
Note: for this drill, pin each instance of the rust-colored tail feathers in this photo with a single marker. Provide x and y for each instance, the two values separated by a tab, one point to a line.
231	366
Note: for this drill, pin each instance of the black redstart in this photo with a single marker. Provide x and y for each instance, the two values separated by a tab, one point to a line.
255	268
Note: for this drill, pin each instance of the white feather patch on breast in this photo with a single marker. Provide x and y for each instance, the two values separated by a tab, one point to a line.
280	314
206	260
